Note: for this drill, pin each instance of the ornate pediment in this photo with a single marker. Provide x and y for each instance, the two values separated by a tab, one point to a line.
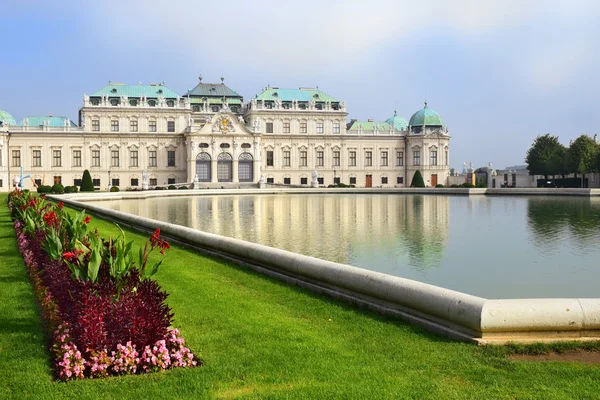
223	124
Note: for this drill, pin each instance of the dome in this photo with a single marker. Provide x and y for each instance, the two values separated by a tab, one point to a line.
6	118
426	117
397	122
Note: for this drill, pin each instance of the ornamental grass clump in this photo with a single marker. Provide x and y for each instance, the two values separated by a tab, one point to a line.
107	316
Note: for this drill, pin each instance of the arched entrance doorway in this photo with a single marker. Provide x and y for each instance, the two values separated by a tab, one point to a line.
203	167
225	167
246	168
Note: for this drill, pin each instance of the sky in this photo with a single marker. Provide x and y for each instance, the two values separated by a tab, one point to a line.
499	73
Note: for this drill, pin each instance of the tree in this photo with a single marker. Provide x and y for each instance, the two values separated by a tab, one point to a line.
417	180
86	182
558	162
583	155
540	153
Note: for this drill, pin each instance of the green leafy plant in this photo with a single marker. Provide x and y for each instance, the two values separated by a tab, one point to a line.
417	180
58	188
86	182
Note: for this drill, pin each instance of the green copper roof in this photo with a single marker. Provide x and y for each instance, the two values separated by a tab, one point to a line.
53	122
370	126
151	91
426	117
6	118
270	94
398	122
211	90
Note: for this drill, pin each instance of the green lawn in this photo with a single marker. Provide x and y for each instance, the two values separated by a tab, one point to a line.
261	338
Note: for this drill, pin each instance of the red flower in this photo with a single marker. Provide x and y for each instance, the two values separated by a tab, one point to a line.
156	233
87	219
60	205
50	218
67	255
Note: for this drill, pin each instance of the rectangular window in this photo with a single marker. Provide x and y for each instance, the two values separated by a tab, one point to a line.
38	182
336	158
286	127
114	125
170	181
433	158
304	181
58	180
77	182
269	158
320	128
416	157
368	158
153	182
96	181
270	180
400	180
384	158
399	158
320	158
114	158
134	182
384	180
352	159
115	182
77	158
16	158
336	127
133	125
36	160
133	158
303	158
287	181
95	125
321	181
152	158
170	158
286	159
151	126
336	180
269	127
170	126
353	180
95	158
56	158
303	128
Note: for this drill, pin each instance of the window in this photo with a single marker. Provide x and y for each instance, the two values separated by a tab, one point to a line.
152	103
114	102
446	157
170	126
336	158
170	103
56	158
304	181
95	158
115	182
336	180
321	181
36	158
320	128
114	159
270	180
399	158
77	182
170	181
96	181
303	158
336	127
133	125
269	127
286	159
16	158
152	158
153	182
170	158
287	181
39	182
368	158
95	125
57	180
269	158
416	157
384	180
303	128
114	125
133	158
352	160
151	126
384	158
400	180
286	127
320	158
133	102
196	108
77	158
433	157
134	182
353	180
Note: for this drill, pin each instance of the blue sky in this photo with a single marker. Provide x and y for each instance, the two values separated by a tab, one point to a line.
498	72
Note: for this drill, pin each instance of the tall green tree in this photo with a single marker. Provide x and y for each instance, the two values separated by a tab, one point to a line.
582	156
540	153
417	180
558	162
87	185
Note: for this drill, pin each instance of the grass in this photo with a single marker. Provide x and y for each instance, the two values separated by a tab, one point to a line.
261	338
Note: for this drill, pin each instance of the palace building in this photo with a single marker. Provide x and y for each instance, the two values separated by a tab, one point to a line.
211	137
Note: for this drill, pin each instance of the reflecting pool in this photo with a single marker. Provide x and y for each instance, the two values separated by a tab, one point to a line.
494	247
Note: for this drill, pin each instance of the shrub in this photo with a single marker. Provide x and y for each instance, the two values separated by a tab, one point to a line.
439	185
114	189
159	188
71	189
86	182
454	185
172	187
183	187
58	188
44	189
417	180
467	185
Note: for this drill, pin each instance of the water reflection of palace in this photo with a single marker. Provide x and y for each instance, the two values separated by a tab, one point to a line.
387	229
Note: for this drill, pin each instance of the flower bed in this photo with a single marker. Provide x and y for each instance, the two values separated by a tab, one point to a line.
105	315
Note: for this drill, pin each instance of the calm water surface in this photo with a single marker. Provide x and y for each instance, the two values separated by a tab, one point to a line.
494	247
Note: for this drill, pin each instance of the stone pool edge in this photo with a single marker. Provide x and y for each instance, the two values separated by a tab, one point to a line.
457	315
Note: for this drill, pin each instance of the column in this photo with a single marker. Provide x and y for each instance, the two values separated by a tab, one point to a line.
235	171
213	167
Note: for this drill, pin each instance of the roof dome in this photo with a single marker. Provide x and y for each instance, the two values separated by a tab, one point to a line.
6	118
426	117
397	122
